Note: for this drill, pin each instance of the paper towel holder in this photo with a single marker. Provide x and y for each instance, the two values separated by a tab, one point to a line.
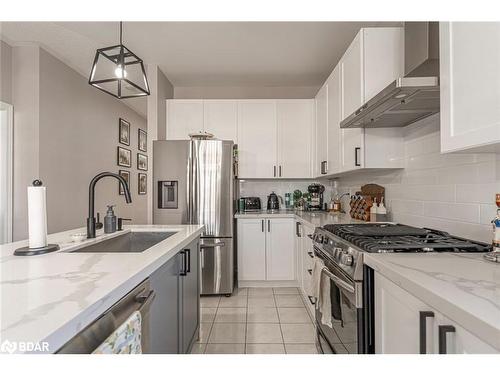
28	251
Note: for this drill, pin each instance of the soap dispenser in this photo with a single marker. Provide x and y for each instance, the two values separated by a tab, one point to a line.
110	220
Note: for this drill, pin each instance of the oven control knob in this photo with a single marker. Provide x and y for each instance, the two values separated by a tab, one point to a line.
319	238
337	252
346	259
325	240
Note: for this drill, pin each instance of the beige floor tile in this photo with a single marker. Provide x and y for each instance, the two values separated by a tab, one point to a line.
293	315
240	292
301	349
260	333
205	331
209	301
261	302
288	300
265	349
298	333
231	315
227	333
260	292
262	314
225	349
208	314
286	290
233	301
198	348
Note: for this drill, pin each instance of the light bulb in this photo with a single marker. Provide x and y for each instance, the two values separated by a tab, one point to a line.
120	72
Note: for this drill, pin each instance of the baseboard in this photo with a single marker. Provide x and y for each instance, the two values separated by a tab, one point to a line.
268	284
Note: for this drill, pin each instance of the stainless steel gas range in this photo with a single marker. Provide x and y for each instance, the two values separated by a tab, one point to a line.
341	247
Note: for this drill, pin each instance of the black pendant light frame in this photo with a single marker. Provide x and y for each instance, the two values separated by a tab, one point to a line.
119	59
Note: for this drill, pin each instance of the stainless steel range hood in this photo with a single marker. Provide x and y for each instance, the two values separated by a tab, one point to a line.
410	98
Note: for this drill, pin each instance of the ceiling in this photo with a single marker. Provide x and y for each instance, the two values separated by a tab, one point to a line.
258	54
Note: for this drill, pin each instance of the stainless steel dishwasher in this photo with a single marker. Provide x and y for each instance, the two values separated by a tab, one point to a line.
139	299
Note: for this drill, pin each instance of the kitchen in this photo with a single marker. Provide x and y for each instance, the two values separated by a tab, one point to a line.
347	211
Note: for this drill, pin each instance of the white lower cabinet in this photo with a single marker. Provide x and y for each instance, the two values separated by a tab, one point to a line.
406	325
307	265
266	249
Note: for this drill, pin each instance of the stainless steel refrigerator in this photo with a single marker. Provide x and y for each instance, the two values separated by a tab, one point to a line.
194	183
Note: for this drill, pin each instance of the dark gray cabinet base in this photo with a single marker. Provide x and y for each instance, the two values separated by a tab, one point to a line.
174	317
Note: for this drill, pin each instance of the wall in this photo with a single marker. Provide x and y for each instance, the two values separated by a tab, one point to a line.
161	90
450	192
65	132
5	73
245	92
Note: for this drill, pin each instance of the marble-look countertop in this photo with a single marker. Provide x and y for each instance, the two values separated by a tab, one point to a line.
464	287
51	297
309	218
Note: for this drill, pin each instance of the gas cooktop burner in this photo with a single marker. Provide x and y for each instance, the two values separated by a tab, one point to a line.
381	238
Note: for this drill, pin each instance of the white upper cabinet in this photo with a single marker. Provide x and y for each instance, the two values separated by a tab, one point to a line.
295	120
218	117
321	155
221	119
470	86
374	59
183	118
257	135
334	113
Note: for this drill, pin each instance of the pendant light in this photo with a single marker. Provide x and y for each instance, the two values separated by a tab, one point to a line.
119	72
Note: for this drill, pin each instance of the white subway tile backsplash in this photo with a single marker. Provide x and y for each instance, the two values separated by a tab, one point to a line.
452	211
449	192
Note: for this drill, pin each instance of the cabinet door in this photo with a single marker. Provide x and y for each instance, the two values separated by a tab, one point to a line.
251	249
470	85
184	117
299	232
221	119
165	309
190	296
352	150
334	114
257	133
280	242
321	159
397	320
295	126
352	71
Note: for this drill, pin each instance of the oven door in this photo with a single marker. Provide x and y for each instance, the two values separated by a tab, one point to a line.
342	337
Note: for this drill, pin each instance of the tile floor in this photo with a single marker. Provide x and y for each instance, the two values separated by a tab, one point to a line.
256	321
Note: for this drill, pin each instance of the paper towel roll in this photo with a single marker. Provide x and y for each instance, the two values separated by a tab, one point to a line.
37	217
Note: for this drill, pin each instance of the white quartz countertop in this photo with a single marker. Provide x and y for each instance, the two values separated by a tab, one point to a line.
51	297
464	287
309	218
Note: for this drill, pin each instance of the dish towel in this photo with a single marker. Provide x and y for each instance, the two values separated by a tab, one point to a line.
126	339
320	290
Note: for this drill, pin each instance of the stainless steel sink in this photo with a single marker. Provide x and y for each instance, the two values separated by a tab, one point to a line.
132	242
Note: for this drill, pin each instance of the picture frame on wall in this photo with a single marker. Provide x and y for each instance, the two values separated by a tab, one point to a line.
142	140
142	183
142	162
124	132
124	157
126	176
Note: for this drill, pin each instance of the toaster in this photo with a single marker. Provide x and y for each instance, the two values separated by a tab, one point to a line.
251	204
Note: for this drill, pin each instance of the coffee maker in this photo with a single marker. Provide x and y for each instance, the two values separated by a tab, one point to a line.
316	193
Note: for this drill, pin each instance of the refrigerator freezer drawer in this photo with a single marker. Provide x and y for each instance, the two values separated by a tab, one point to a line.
217	267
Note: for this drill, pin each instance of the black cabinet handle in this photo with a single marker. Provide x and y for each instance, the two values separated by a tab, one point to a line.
311	254
442	331
311	300
188	260
310	236
274	168
262	225
310	272
423	330
356	158
183	263
280	170
269	225
297	229
324	167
